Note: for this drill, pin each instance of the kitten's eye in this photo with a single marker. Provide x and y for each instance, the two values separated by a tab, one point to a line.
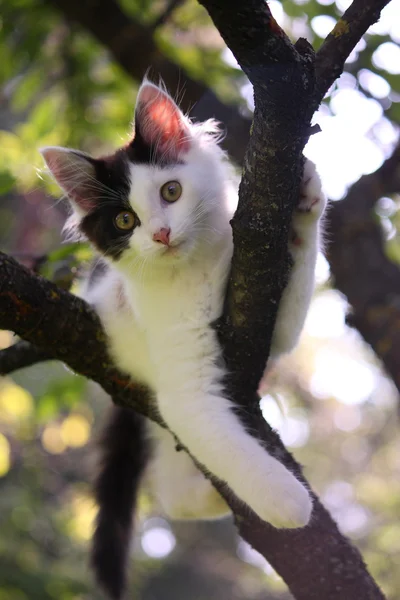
125	220
171	191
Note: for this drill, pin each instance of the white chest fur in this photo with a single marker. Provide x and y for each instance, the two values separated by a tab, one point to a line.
163	316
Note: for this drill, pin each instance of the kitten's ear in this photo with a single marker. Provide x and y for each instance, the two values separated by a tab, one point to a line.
74	172
160	123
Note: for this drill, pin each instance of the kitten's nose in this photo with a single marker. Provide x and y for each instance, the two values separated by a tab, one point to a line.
162	236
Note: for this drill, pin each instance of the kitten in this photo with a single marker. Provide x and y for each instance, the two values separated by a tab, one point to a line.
158	211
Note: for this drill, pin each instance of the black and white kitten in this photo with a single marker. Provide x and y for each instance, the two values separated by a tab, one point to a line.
158	210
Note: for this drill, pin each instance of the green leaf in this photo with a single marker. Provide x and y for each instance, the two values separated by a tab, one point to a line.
7	181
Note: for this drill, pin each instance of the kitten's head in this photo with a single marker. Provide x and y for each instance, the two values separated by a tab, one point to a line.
160	199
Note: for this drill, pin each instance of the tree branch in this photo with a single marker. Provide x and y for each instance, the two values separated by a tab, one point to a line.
360	267
346	34
20	355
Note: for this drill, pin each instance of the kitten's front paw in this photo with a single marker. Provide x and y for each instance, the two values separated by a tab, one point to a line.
284	502
308	212
312	200
296	507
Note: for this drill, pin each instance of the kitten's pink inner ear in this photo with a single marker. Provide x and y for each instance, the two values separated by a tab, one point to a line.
73	173
161	122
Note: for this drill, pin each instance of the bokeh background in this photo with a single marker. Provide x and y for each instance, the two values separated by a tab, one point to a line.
331	400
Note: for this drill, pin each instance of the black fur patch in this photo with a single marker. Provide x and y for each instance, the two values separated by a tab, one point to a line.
139	151
99	227
125	453
112	173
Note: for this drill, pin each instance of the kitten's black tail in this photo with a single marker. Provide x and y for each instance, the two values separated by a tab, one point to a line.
124	453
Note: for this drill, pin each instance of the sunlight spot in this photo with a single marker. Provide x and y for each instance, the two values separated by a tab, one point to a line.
323	25
52	440
5	460
373	83
84	513
387	57
158	541
16	403
327	303
342	377
356	110
75	431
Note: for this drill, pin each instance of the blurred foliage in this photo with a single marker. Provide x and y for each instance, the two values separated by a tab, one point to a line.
58	86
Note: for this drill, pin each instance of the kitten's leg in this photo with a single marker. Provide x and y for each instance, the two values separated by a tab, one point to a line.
179	487
123	456
304	245
194	407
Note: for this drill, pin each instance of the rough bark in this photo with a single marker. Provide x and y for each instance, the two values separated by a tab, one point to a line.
317	561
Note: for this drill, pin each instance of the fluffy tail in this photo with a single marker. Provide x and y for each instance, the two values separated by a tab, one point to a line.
124	453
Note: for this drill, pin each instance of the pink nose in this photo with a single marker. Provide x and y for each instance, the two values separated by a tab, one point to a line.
162	236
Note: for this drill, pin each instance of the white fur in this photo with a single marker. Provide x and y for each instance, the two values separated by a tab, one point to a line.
180	489
306	229
157	305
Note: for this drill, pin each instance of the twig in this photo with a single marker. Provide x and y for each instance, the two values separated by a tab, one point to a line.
20	355
346	34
